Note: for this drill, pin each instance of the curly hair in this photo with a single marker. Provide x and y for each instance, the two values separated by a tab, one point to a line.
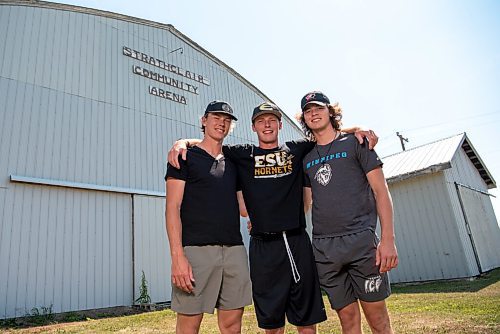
335	119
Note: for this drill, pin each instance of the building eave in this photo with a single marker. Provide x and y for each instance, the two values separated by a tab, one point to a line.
424	171
478	163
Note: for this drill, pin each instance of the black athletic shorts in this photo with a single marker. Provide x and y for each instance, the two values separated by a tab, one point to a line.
275	292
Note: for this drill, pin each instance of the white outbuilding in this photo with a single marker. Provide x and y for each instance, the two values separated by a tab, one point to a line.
444	219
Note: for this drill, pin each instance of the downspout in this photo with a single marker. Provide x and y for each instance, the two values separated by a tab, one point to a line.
467	227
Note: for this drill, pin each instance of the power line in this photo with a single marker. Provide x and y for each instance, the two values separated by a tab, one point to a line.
440	124
456	119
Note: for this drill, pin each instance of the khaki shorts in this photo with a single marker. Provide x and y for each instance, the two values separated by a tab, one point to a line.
221	277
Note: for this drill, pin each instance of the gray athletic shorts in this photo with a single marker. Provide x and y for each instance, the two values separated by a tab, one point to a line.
347	270
222	280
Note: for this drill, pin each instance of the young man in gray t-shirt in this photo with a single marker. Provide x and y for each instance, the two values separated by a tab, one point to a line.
348	193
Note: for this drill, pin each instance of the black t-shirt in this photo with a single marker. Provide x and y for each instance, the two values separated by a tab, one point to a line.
209	210
271	180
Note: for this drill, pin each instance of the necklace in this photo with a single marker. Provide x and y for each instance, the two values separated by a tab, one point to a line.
337	134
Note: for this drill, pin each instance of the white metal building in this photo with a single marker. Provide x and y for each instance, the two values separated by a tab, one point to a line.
90	102
444	219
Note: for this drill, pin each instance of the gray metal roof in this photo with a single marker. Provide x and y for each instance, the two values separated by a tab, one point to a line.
433	157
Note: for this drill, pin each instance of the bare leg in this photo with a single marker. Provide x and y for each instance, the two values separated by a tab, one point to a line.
230	321
306	329
188	323
300	329
377	316
350	319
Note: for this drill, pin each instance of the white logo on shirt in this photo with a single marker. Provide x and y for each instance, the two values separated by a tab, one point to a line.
324	174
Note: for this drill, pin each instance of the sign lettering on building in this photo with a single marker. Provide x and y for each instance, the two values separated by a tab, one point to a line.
162	78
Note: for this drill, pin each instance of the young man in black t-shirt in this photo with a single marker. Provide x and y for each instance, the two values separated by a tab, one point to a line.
284	277
209	261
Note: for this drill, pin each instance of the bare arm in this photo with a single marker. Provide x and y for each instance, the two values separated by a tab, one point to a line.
307	199
241	204
180	147
182	273
243	209
387	254
361	134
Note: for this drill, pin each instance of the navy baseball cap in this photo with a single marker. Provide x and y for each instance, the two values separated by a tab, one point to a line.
314	97
220	107
266	108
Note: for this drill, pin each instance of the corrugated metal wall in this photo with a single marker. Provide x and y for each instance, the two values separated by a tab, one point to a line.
151	248
431	232
479	212
64	247
72	110
152	253
428	243
72	102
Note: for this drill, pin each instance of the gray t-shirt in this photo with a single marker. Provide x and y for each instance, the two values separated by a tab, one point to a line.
343	201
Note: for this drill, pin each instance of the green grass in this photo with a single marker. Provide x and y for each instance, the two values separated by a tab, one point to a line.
460	306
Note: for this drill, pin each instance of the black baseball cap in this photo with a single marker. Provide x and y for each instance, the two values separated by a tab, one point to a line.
314	97
220	107
266	108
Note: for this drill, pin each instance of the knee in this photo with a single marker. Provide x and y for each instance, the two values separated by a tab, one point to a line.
306	329
280	330
350	316
379	323
230	326
188	324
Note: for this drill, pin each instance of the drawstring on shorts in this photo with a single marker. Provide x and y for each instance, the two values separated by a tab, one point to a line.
295	271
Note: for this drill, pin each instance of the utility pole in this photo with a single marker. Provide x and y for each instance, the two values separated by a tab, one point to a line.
402	139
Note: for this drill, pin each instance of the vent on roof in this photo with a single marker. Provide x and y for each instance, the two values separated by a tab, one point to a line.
477	163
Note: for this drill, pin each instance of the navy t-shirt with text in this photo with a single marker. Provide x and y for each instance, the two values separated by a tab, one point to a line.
209	209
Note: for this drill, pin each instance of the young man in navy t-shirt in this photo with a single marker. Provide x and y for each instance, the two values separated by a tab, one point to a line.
209	261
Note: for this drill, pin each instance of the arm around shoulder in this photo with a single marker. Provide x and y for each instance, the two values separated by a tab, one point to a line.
180	148
361	134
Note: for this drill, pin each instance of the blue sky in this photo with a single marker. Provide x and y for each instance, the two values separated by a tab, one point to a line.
428	69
